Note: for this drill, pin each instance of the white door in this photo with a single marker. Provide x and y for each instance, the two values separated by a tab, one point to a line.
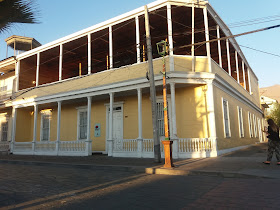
117	124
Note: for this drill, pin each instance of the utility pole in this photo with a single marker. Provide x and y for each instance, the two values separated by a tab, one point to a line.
157	155
162	50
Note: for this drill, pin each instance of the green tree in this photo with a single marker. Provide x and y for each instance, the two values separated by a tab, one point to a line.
275	113
17	11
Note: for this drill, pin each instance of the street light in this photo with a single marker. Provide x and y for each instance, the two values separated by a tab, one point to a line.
162	50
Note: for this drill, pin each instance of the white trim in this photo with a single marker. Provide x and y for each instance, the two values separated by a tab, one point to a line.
240	122
138	39
37	69
89	54
108	135
110	47
223	108
228	57
47	113
250	125
255	126
237	67
79	110
60	62
219	47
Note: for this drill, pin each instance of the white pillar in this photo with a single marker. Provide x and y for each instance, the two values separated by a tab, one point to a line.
17	72
89	54
140	130
207	38
219	47
37	69
211	117
58	126
237	67
88	141
228	57
249	81
14	123
35	127
110	139
111	46
60	62
170	38
244	76
138	40
193	25
174	137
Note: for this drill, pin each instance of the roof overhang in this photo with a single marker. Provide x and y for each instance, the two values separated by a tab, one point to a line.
7	64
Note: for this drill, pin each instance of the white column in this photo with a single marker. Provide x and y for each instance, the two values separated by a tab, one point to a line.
170	38
249	81
211	117
37	69
237	67
228	57
89	142
17	72
207	38
14	123
138	40
244	76
219	47
110	139
60	61
35	127
140	130
89	54
193	25
58	126
111	46
174	137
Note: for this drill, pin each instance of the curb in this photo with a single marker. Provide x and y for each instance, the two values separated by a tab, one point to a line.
138	169
178	172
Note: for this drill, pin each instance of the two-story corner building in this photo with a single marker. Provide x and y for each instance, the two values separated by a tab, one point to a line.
88	92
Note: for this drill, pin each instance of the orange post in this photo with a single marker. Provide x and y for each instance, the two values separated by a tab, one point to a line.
167	143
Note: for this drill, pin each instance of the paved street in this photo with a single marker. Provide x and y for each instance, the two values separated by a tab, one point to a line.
45	187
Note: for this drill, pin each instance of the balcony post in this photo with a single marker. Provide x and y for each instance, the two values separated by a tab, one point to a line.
88	141
110	139
58	127
35	128
140	131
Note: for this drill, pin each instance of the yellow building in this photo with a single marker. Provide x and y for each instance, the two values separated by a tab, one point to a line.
62	93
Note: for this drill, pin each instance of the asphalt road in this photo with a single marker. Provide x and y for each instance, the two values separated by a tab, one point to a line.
49	187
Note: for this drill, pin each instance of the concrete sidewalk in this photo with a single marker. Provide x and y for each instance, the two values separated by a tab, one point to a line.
246	163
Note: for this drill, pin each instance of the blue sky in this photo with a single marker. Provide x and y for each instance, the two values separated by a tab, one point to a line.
60	18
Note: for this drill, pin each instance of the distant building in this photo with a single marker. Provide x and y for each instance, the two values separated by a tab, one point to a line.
88	92
268	104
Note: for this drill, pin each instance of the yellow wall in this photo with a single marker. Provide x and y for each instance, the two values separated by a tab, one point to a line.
254	84
191	112
184	63
23	125
234	140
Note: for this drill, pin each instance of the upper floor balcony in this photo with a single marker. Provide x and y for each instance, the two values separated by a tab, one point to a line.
119	45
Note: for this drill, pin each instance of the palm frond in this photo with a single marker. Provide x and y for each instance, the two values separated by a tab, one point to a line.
17	11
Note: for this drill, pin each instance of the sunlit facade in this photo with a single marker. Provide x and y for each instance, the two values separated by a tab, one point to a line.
63	93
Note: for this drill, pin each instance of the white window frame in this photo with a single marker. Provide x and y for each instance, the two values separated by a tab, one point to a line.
250	123
240	122
45	113
160	100
224	123
255	126
79	110
260	130
2	122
